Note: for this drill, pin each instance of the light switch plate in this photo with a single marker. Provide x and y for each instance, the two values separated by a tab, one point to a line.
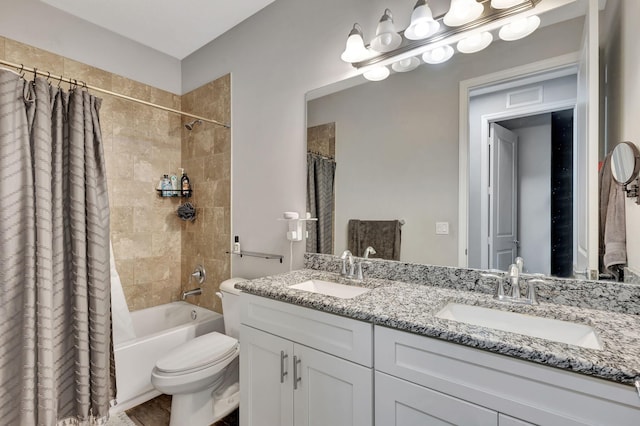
442	228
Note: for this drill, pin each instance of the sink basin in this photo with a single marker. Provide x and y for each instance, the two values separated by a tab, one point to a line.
543	328
330	289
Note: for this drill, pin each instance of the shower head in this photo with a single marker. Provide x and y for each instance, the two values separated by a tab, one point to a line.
189	126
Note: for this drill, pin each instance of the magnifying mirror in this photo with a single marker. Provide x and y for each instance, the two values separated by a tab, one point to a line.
625	162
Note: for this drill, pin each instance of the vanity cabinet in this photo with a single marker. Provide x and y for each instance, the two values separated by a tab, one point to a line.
300	367
458	384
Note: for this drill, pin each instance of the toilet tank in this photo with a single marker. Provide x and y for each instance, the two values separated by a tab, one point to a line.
231	306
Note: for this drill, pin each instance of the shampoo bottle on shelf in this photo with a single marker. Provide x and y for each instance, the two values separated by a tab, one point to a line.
166	186
236	245
175	186
185	184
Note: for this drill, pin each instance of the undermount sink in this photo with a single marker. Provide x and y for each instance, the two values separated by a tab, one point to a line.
543	328
328	288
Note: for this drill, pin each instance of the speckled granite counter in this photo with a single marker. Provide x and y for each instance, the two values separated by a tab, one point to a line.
412	307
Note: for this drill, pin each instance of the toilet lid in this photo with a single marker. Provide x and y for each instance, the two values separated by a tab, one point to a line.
202	351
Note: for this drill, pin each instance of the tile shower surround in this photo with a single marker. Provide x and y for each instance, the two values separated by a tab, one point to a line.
141	144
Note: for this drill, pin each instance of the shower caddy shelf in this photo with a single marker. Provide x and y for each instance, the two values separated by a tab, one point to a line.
258	254
175	193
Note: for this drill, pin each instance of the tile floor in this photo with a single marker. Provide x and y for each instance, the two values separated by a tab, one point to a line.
158	411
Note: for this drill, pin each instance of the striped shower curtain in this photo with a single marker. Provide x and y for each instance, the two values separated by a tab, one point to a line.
56	362
320	203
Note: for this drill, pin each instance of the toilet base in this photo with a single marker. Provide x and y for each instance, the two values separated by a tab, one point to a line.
200	409
208	405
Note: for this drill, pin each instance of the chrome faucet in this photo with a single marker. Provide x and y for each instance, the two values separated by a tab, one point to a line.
369	250
514	276
514	280
347	257
192	292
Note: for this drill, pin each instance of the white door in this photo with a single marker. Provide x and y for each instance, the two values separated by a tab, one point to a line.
401	403
331	390
586	179
503	197
266	384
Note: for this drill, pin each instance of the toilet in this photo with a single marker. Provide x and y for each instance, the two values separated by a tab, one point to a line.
202	375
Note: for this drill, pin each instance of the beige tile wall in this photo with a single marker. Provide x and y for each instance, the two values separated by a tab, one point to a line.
206	156
322	139
141	143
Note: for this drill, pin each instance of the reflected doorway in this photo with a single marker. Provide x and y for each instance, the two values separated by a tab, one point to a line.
530	196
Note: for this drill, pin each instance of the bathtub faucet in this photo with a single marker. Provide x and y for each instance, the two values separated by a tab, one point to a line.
192	292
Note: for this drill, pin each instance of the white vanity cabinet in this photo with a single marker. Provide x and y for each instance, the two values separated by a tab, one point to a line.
302	367
431	381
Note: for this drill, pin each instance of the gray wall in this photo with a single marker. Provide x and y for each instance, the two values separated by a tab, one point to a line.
275	57
397	158
40	25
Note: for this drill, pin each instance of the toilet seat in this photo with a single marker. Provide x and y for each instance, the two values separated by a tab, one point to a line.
207	351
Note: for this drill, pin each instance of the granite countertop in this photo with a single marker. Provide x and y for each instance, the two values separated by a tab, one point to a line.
413	308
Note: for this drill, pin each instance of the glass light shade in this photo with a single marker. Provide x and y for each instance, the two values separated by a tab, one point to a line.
404	65
422	22
505	4
387	39
377	74
474	43
355	51
519	28
438	55
462	12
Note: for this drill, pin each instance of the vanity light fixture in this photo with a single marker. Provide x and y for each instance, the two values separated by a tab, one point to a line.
438	55
475	42
519	28
387	39
355	51
470	24
505	4
462	12
422	23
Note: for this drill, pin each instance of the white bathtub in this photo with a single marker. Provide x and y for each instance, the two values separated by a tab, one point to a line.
157	330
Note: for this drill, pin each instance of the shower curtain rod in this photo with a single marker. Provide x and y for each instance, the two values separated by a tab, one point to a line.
60	78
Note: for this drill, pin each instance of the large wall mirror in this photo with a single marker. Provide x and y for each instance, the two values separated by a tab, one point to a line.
393	149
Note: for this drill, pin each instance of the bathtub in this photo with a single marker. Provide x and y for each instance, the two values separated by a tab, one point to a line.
157	330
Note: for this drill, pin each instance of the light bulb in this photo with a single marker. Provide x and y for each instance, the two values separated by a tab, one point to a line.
422	23
386	38
475	42
404	65
355	51
422	29
462	12
438	55
519	28
377	73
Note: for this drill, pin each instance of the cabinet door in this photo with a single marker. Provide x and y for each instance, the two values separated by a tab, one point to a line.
266	388
402	403
331	391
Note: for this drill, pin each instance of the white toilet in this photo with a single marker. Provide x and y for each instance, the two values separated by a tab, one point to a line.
202	375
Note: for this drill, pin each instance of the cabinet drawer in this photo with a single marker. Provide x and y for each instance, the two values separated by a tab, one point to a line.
518	388
399	402
343	337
